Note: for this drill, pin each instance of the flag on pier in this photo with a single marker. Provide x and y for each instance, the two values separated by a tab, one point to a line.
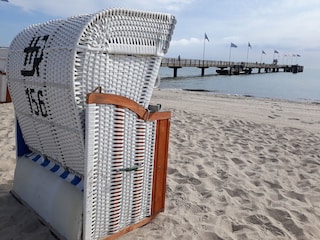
275	51
204	43
249	45
206	37
233	45
263	52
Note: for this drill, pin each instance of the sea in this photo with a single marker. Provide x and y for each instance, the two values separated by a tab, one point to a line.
303	86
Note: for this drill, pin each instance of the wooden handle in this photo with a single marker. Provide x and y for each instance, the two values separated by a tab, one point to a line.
120	101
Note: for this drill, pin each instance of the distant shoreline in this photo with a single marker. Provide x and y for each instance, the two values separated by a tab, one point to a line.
219	94
294	87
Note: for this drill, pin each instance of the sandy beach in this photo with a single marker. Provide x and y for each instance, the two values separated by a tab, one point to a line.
239	168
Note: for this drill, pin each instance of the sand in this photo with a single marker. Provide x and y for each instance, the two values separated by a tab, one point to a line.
239	168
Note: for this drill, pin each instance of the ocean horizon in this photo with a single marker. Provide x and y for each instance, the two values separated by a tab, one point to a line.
303	86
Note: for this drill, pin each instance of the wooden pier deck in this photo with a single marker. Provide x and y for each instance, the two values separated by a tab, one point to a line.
228	68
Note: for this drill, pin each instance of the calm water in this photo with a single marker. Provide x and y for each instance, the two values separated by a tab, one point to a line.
303	86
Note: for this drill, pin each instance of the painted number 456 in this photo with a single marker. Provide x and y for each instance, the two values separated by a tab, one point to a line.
36	103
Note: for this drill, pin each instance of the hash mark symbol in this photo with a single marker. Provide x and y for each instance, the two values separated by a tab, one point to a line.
31	53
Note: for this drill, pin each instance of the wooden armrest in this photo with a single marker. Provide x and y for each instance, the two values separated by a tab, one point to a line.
120	101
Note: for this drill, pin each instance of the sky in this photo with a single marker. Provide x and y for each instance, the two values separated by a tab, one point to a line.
291	27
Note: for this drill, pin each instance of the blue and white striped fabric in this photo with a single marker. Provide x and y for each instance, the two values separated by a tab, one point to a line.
57	169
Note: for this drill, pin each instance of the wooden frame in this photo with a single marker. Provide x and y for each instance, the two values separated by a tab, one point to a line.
8	98
160	155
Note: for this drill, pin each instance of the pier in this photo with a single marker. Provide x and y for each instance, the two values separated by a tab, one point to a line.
228	68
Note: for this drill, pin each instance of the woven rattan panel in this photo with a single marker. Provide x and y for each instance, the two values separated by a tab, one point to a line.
52	66
120	170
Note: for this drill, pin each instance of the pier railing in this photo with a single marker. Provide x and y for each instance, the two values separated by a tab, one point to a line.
226	67
176	62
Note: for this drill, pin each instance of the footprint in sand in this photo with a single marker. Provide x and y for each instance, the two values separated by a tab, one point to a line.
295	119
265	223
286	220
274	116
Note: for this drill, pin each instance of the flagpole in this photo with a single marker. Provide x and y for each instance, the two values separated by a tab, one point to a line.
248	52
231	46
204	47
262	53
298	55
230	55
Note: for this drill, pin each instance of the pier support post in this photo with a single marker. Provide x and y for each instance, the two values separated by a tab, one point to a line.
202	70
175	71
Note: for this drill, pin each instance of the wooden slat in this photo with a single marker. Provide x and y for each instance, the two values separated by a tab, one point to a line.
103	98
160	166
8	97
128	229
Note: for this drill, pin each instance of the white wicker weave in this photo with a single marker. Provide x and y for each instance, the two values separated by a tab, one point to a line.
51	69
52	66
119	171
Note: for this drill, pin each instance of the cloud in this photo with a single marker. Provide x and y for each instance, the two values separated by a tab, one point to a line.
162	5
185	42
284	24
62	8
290	26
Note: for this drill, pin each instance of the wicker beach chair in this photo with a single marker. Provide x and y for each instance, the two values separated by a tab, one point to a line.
4	93
89	149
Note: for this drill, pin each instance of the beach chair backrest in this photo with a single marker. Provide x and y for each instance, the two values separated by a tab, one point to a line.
54	65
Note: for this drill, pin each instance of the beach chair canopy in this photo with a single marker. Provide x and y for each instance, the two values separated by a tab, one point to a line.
54	65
